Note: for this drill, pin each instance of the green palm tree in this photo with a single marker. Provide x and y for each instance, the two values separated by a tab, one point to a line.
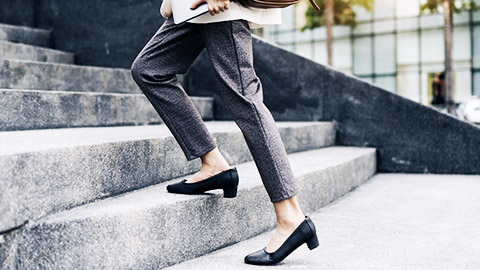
449	7
334	12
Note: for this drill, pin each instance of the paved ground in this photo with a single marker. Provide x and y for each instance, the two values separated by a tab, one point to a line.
394	221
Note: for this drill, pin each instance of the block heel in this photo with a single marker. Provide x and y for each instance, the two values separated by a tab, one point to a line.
312	242
304	233
230	192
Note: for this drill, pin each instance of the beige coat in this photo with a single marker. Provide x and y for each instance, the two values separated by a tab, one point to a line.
256	17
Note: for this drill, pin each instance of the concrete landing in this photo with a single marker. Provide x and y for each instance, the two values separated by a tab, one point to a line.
394	221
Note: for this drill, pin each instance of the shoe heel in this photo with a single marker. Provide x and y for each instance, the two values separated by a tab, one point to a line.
312	242
230	192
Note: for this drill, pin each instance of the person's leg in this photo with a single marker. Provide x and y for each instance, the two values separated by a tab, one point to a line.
172	51
229	46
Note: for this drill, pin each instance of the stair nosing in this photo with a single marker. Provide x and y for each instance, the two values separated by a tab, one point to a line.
180	198
161	132
23	27
68	65
36	47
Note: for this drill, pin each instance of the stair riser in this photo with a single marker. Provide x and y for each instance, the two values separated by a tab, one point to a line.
26	35
10	50
151	237
43	182
16	74
24	110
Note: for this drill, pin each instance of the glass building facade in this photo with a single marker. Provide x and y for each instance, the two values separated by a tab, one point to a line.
393	46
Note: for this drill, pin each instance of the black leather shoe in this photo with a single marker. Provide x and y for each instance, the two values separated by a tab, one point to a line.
226	180
304	233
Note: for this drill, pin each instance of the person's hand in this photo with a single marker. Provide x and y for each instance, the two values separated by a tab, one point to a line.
214	6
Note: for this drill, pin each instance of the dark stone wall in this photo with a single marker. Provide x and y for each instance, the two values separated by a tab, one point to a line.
100	33
17	12
410	137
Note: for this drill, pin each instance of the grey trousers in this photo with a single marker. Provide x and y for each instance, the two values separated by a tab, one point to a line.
172	50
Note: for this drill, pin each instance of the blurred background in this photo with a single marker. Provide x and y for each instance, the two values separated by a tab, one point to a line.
398	45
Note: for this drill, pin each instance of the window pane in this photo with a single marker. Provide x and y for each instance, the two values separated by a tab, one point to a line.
476	83
363	28
341	31
476	16
362	14
462	87
286	37
288	47
319	33
407	24
384	54
320	52
433	46
476	47
407	48
461	43
387	83
287	18
408	85
384	9
303	36
304	49
342	54
362	50
384	26
407	8
429	21
367	79
461	18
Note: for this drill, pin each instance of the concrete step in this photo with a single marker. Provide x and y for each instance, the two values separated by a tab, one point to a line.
21	74
37	109
26	35
45	171
150	228
432	220
10	50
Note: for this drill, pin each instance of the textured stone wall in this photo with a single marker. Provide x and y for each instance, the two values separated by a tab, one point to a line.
100	33
18	12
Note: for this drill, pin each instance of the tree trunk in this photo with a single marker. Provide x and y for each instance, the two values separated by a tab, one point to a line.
448	32
329	26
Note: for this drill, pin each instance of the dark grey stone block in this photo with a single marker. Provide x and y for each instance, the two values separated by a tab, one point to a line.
31	109
9	50
151	228
100	33
17	74
18	12
25	35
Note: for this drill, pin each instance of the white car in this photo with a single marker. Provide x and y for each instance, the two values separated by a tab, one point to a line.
471	112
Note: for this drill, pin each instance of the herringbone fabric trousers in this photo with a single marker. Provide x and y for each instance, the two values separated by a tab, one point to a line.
172	50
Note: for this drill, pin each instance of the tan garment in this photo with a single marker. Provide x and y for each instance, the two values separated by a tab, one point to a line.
256	17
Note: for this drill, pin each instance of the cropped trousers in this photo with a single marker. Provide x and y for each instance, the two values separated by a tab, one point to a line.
172	50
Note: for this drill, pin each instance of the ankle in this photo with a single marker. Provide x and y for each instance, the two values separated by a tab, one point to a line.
214	159
289	212
215	167
290	221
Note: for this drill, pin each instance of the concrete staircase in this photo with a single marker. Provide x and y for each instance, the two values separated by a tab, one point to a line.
41	88
85	160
